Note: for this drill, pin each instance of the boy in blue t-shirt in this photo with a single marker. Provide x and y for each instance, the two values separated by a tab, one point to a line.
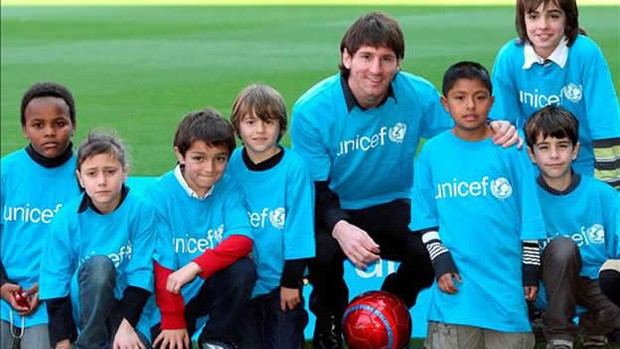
553	62
580	215
205	232
36	182
280	196
476	207
98	273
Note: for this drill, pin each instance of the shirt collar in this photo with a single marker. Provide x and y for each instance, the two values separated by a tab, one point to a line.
88	203
350	98
571	187
558	56
47	162
178	173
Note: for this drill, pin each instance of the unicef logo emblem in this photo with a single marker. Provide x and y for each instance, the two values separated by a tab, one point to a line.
596	233
573	92
277	217
398	132
501	188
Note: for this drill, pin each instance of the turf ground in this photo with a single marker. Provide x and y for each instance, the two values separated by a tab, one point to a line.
139	69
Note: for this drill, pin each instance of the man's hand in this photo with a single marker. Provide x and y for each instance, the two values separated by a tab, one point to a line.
8	292
182	276
530	292
356	244
126	337
63	344
289	298
173	339
447	285
505	134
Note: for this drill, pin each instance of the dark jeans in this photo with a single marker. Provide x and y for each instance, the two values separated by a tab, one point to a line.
561	264
98	318
266	326
223	296
387	225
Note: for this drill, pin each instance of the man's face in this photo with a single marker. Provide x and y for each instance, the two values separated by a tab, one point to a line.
371	71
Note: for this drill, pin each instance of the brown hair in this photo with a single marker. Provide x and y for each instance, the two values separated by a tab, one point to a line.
264	102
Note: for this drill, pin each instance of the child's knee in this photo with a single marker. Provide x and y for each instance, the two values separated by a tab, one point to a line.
243	273
561	250
97	270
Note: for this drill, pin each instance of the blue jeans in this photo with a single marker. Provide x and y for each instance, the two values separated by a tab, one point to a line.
266	326
98	316
223	297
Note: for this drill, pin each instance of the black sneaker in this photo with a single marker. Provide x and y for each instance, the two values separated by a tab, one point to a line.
327	333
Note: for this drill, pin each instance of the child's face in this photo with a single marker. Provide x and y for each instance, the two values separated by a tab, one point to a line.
468	102
102	176
545	27
260	137
204	165
48	126
553	156
371	72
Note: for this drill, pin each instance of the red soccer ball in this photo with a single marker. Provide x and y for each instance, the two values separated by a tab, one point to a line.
376	320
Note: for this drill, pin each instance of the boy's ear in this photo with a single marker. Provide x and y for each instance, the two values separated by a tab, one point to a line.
444	102
530	152
79	178
576	150
179	156
346	58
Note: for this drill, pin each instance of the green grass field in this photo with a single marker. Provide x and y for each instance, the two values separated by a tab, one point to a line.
140	69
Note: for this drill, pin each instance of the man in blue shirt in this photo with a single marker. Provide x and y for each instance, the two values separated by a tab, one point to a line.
358	132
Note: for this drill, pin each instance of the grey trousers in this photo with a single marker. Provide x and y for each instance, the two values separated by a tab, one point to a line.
561	264
447	336
35	337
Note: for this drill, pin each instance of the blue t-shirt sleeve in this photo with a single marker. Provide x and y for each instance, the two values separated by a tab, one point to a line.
423	204
506	105
58	259
163	251
600	96
306	141
435	117
139	270
236	221
532	223
299	229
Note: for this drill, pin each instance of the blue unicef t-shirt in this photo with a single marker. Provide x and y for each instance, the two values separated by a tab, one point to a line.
281	212
583	86
126	236
483	199
190	226
367	155
31	197
589	216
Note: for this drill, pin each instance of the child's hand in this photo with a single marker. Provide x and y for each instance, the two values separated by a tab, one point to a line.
181	277
446	284
8	291
126	337
31	296
531	292
289	298
172	339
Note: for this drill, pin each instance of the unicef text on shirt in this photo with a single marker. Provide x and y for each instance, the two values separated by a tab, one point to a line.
30	214
396	134
594	235
500	188
571	92
188	244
